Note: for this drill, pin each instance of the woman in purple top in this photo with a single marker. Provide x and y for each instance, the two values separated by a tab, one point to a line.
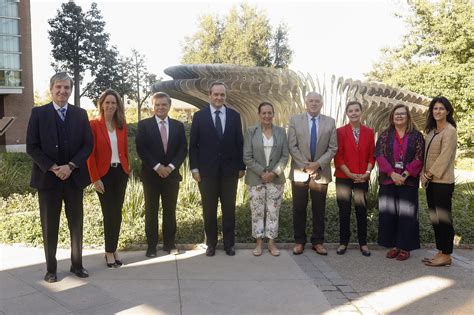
399	155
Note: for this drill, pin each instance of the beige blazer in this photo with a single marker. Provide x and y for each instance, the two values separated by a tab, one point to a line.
254	155
298	144
439	158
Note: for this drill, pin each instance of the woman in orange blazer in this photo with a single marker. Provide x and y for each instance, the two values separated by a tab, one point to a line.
354	161
109	169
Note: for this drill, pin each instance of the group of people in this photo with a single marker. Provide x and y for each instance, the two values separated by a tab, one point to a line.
69	152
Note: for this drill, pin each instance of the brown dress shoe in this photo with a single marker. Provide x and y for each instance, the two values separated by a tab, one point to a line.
319	248
298	249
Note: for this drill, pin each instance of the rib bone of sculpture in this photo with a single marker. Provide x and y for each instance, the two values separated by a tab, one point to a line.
285	89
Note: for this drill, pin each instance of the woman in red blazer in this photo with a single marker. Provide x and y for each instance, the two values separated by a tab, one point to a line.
354	161
108	168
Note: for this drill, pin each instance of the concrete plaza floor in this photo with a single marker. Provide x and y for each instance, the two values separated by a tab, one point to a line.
191	283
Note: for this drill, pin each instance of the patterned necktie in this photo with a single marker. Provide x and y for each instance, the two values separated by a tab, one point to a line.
164	136
220	134
314	139
62	113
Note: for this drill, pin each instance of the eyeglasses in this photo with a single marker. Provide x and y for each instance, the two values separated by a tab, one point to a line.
400	114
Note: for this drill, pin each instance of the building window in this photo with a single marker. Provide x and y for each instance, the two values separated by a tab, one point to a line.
10	52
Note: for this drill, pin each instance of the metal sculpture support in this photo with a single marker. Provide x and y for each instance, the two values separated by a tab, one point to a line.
285	89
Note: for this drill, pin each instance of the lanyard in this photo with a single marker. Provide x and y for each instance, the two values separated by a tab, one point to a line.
400	142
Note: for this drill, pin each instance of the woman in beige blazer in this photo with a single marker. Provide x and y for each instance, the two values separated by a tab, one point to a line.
265	155
438	176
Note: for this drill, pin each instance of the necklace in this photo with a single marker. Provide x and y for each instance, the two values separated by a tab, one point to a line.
110	126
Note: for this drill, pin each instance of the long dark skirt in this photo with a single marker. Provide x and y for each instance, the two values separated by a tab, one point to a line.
398	217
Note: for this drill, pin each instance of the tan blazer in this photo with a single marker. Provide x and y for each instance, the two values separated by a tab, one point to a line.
254	155
439	159
298	144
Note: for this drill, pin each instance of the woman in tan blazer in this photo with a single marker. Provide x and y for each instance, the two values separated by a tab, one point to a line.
438	176
265	155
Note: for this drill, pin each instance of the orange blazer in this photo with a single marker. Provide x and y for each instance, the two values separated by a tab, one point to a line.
355	156
101	156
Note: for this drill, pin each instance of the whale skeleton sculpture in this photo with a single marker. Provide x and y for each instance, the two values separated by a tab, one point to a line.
285	89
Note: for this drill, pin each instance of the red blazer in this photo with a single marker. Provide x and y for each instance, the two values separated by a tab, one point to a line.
101	156
355	157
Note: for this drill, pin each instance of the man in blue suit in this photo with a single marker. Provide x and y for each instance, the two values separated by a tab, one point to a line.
59	140
216	161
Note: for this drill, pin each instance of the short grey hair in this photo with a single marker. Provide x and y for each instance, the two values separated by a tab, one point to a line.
158	95
60	76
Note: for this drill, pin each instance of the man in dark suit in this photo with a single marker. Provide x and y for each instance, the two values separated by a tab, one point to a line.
59	140
162	147
216	161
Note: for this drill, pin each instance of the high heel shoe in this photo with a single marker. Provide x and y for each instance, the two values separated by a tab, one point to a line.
109	265
118	262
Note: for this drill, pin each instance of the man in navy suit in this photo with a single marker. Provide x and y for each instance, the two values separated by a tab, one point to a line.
59	140
216	161
162	147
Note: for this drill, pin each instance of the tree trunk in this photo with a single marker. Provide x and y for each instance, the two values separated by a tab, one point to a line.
77	87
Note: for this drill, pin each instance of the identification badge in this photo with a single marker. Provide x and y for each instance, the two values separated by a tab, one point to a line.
399	165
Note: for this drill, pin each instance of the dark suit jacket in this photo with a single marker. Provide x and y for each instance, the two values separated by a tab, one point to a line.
207	153
150	148
43	146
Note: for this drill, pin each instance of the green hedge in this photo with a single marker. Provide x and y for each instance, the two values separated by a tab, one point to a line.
20	223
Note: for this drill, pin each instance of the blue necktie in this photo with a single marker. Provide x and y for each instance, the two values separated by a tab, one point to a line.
314	139
62	113
220	134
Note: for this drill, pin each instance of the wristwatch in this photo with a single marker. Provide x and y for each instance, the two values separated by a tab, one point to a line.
71	166
404	175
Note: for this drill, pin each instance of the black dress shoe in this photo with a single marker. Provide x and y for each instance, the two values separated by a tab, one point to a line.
210	251
50	277
80	272
150	253
341	250
365	253
230	251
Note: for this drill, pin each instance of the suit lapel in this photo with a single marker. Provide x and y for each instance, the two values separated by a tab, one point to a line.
276	140
304	123
103	129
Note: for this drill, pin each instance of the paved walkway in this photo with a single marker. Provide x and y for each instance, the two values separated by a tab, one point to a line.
192	283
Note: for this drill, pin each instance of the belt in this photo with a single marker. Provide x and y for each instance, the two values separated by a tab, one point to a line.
114	164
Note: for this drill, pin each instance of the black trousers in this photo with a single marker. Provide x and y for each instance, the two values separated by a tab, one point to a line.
345	189
50	203
111	202
398	217
166	189
439	197
213	189
318	208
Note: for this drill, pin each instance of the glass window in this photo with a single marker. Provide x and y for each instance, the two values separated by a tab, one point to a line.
10	78
9	61
9	43
9	8
9	26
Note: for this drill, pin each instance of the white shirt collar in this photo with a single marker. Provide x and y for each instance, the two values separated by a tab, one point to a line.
213	109
158	120
57	107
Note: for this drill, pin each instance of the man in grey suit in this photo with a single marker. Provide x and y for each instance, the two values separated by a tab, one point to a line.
312	141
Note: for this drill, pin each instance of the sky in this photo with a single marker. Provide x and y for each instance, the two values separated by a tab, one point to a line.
327	37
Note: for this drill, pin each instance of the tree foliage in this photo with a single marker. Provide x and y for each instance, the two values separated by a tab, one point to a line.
141	80
113	72
79	41
244	37
436	57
